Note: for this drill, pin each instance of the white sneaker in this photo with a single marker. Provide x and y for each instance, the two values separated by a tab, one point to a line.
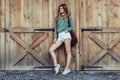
57	68
66	71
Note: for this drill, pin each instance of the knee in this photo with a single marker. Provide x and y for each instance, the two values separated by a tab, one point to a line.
51	50
68	52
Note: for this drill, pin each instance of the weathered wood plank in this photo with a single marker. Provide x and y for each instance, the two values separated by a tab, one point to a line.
7	26
1	30
85	39
114	55
34	45
97	58
45	14
80	47
94	38
114	42
28	49
51	25
105	47
2	37
77	46
114	10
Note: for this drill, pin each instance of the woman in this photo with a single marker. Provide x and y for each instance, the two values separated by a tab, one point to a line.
62	35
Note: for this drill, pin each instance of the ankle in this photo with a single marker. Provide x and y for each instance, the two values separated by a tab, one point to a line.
56	65
67	68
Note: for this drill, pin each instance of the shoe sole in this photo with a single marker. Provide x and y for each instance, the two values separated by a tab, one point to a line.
66	73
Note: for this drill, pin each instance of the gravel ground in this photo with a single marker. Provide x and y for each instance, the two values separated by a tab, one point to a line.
49	75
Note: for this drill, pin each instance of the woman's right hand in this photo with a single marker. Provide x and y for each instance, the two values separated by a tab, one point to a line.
55	40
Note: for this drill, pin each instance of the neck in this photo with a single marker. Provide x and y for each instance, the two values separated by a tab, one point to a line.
62	14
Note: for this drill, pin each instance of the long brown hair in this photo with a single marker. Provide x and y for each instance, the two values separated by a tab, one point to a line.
66	11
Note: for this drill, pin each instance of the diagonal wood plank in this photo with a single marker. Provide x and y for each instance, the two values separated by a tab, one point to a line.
101	44
40	40
113	43
98	57
34	45
114	55
107	48
20	58
96	40
28	49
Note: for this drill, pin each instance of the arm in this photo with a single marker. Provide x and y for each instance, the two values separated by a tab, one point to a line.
55	31
70	26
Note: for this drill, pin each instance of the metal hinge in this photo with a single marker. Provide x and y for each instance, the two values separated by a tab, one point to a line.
91	29
44	67
44	29
83	67
6	30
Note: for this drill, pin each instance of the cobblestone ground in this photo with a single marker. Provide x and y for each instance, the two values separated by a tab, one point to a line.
49	75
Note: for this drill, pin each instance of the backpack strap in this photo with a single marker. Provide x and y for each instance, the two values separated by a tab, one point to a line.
69	22
57	25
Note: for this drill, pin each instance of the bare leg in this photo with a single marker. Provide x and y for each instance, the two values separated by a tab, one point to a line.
68	52
52	49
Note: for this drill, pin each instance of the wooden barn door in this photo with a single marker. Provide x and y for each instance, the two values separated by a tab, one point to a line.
28	27
101	35
28	36
29	33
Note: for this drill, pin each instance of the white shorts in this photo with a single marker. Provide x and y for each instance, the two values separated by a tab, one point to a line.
64	35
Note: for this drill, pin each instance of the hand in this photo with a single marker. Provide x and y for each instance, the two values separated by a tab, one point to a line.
55	40
65	31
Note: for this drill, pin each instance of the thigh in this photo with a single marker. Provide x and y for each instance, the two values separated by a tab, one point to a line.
67	44
56	45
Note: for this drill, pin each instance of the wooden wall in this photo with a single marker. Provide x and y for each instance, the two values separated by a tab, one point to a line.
96	23
24	47
100	47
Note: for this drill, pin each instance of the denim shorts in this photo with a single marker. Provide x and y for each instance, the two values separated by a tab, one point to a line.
64	35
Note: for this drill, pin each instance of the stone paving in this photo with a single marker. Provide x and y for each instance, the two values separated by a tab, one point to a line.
49	75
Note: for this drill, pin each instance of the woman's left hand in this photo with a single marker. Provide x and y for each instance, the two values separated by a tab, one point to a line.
65	31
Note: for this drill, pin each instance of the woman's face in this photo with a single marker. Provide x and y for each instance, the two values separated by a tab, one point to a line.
61	10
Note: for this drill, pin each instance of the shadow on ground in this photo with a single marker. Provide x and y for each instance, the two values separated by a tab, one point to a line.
49	75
